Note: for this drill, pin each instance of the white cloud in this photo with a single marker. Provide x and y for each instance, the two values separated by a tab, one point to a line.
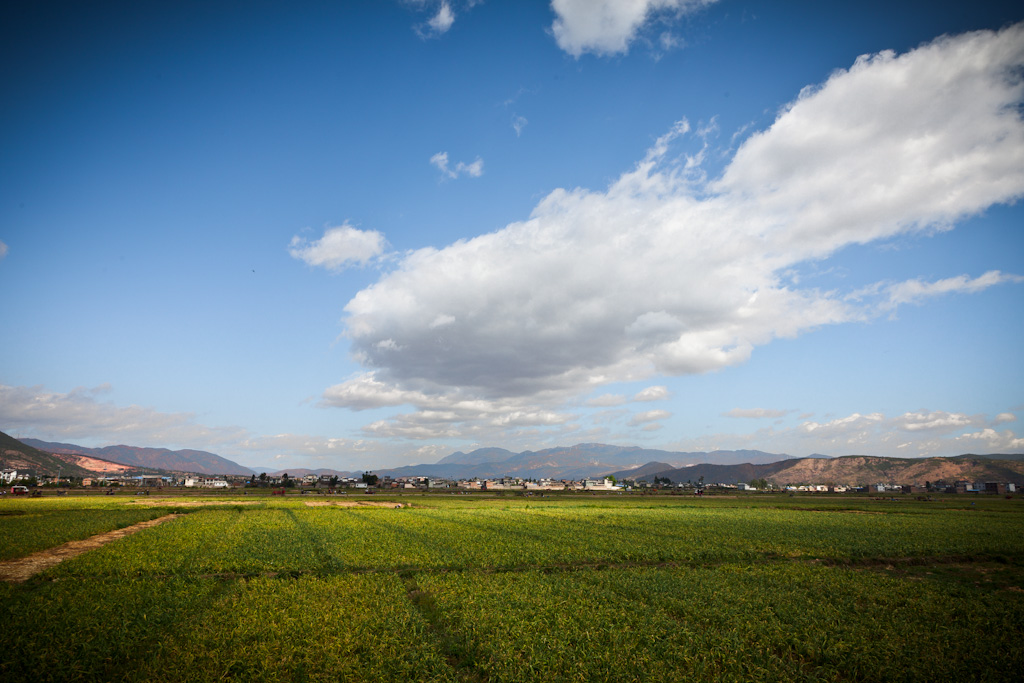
442	415
1003	418
607	400
938	421
668	273
992	441
649	416
757	413
842	425
607	27
339	247
3	247
443	20
474	169
912	434
80	414
655	393
916	291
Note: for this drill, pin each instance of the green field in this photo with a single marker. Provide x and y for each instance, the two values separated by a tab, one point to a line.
572	588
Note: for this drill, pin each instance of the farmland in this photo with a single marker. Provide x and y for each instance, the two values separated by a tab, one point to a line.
573	588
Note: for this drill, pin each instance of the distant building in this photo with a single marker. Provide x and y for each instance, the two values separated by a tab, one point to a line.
600	485
195	482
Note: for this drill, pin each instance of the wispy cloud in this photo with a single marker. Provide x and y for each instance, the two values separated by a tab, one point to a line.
911	434
3	249
756	413
82	414
518	124
442	15
917	291
475	169
649	416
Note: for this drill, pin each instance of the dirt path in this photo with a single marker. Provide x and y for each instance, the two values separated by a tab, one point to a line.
23	568
355	504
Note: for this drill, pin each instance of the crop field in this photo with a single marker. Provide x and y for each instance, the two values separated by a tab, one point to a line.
472	588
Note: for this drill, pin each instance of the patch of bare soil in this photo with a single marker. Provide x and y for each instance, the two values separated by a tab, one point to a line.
24	568
192	503
848	512
355	504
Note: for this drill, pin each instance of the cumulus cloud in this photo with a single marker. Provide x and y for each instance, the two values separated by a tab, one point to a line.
3	247
607	27
757	413
474	169
991	441
935	421
440	415
667	272
655	393
339	248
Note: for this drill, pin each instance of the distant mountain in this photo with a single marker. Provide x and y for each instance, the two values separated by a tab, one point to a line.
994	456
851	470
200	462
15	454
480	456
302	471
643	472
572	462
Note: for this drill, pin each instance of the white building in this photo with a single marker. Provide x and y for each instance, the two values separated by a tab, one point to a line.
605	484
193	482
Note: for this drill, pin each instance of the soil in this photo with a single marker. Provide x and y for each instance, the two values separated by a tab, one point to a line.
158	503
23	568
356	504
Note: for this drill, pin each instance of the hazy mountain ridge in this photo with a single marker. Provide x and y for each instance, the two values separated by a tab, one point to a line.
18	455
566	462
849	470
186	460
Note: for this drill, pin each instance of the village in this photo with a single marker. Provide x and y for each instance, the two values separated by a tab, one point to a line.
370	483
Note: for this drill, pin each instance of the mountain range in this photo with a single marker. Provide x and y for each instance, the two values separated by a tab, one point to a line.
200	462
568	462
849	470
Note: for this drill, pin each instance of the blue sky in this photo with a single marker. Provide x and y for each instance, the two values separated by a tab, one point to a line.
359	235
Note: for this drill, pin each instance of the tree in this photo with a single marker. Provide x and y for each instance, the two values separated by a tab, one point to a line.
369	478
334	480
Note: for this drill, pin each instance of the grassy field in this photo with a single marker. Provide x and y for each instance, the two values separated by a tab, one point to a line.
471	588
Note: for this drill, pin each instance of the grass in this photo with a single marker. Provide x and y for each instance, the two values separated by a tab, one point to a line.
459	588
